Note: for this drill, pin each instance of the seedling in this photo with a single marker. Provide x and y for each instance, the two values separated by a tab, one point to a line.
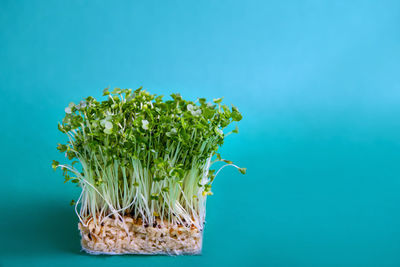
144	169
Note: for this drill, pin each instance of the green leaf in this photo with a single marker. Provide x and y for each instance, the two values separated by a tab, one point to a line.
66	178
70	155
60	128
165	189
106	92
202	101
236	116
236	130
154	196
108	131
108	125
242	170
137	91
116	91
157	179
217	100
55	164
208	113
62	148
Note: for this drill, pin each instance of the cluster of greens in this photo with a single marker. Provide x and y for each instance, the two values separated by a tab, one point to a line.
144	156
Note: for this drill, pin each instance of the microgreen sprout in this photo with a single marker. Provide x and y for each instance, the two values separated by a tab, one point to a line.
144	156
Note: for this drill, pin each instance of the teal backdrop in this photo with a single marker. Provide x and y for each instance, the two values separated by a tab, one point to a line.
318	83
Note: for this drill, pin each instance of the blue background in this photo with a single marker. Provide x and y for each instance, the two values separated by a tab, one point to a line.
318	84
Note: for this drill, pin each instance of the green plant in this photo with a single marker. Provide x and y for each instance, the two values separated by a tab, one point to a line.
143	156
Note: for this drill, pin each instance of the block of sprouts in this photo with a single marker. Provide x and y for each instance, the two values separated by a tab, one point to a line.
143	165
